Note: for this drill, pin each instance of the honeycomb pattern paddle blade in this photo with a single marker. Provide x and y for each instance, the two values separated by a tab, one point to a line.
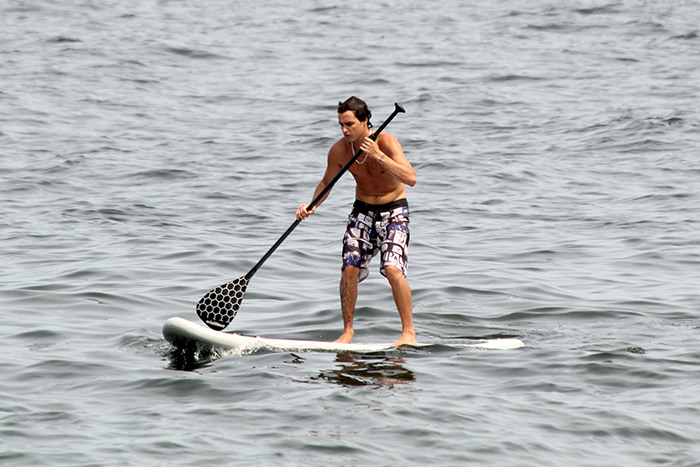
220	305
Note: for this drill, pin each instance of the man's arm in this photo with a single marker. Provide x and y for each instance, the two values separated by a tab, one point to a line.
388	152
332	168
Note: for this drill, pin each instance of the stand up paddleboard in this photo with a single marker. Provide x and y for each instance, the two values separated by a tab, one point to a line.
181	332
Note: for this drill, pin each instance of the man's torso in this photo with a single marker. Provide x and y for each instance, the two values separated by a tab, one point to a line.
374	184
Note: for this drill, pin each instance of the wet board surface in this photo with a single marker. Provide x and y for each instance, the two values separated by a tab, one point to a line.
179	331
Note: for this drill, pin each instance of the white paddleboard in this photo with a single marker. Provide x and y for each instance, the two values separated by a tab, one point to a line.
179	331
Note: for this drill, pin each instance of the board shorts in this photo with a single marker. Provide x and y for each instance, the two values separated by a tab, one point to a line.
375	228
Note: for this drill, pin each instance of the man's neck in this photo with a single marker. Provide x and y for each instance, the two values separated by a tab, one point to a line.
359	140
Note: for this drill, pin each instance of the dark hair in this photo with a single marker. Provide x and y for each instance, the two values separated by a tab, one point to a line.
358	107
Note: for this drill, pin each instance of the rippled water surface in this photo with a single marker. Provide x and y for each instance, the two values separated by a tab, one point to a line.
151	150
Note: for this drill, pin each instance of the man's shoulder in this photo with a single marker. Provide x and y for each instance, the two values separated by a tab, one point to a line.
388	143
337	152
386	137
338	145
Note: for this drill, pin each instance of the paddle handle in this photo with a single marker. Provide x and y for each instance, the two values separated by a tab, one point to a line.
398	108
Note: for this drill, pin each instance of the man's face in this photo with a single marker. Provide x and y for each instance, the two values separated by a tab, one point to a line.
352	128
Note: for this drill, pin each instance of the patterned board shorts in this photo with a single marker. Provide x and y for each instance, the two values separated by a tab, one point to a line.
373	228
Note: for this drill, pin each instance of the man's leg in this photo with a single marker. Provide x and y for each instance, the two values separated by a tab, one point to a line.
404	303
348	298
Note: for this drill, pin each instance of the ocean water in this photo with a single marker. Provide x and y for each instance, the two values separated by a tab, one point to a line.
150	150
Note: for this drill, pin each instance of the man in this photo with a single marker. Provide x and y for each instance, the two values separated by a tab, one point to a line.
379	219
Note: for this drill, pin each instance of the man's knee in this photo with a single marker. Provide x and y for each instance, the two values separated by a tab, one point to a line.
393	273
351	272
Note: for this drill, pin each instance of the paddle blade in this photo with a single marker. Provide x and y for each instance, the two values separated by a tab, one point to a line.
218	308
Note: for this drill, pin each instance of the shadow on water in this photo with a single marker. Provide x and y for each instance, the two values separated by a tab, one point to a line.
188	355
368	370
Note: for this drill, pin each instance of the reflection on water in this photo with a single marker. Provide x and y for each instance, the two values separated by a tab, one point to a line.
352	370
368	370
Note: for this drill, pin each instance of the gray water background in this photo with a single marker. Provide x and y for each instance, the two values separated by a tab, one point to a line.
150	150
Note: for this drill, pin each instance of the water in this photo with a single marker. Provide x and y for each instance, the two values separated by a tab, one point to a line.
152	150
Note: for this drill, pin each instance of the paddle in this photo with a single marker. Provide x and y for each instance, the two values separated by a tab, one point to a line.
218	307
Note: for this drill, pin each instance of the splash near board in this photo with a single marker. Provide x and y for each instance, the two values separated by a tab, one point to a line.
180	332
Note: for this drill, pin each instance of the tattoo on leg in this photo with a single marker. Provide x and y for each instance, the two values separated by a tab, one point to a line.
347	301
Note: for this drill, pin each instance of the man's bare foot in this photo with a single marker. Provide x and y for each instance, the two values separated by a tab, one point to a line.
406	339
346	337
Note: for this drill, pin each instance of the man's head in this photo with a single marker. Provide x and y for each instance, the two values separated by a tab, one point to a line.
358	107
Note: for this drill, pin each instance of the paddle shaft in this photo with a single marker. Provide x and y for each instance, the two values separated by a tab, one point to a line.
397	110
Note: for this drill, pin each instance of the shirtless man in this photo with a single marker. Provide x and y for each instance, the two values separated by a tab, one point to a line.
379	219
